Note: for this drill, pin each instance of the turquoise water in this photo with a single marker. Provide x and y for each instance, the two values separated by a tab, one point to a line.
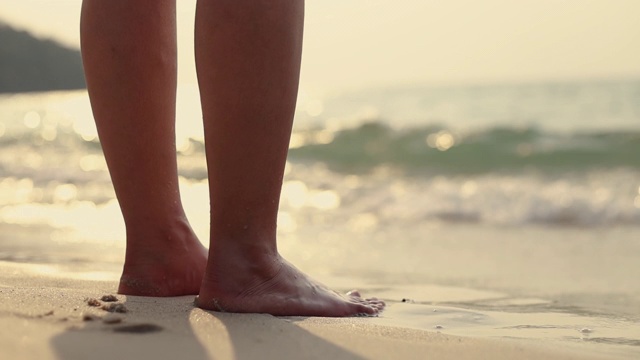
434	149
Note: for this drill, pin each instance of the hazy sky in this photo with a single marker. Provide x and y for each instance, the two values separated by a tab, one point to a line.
357	43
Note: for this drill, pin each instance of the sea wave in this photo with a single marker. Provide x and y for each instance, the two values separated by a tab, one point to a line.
379	199
438	149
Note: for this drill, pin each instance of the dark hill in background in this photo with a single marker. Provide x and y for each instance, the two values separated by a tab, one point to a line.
31	64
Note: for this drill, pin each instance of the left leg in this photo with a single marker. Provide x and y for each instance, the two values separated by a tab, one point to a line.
129	55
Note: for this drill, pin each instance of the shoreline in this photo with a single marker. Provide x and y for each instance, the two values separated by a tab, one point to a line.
43	316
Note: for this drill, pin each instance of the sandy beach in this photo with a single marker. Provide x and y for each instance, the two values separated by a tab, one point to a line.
46	315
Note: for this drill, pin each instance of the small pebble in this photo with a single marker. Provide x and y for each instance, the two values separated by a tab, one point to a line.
404	300
435	310
138	328
112	319
89	317
119	308
93	302
49	313
439	327
109	298
586	330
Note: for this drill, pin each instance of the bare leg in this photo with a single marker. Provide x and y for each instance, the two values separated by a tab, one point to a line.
248	61
129	54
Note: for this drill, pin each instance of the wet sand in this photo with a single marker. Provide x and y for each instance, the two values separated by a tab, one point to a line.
46	315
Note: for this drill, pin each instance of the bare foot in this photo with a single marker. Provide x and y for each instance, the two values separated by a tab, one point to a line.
168	264
276	287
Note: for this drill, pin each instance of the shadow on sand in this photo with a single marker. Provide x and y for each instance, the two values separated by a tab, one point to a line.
172	328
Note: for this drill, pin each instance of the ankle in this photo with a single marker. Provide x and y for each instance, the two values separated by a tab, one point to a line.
163	237
259	251
238	266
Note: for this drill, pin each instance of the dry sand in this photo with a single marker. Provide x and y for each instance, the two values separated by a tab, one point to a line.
46	316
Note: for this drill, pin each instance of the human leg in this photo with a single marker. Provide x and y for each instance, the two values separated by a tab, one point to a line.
248	61
129	55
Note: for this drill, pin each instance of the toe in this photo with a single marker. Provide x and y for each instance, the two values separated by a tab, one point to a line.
376	301
377	304
354	293
368	310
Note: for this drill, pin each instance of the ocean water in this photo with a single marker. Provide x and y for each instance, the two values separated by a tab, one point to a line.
565	154
496	199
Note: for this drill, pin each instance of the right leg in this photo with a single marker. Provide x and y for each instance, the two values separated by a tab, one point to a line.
248	60
129	55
